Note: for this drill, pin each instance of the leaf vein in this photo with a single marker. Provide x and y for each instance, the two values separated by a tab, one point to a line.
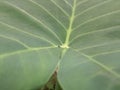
25	51
28	33
17	41
101	65
92	7
67	3
35	19
99	30
99	45
105	53
60	8
81	2
48	13
95	18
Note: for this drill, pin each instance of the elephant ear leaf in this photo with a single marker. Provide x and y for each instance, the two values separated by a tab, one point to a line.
81	38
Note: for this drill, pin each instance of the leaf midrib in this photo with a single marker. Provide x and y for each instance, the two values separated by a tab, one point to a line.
69	30
65	45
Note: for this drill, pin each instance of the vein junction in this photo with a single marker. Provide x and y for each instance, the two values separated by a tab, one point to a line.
65	45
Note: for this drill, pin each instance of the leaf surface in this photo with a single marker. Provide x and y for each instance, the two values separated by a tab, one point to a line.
79	37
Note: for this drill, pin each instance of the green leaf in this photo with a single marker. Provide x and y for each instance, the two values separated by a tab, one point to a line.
80	38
